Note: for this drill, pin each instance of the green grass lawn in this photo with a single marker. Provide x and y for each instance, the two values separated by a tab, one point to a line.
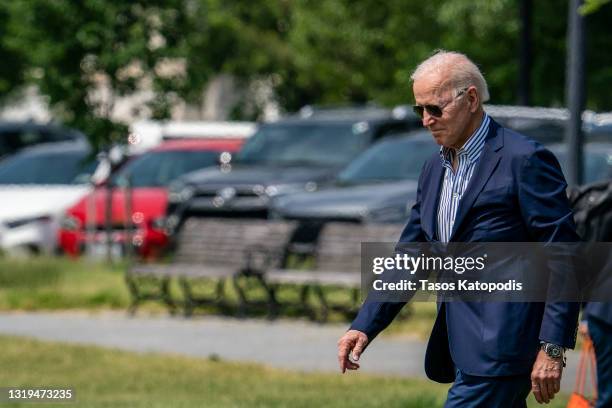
109	378
64	284
58	283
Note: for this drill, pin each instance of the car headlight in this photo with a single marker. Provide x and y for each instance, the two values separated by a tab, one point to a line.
276	190
70	223
179	192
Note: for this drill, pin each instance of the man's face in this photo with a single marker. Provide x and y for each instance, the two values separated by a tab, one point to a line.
450	128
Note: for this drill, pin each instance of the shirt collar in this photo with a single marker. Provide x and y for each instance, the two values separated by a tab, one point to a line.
472	148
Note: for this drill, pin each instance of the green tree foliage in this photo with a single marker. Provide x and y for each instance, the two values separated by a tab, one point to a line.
591	6
71	48
13	64
364	51
358	51
310	52
245	38
599	58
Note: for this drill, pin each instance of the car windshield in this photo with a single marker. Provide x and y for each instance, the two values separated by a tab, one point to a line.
597	163
158	169
389	160
309	144
48	168
542	130
599	133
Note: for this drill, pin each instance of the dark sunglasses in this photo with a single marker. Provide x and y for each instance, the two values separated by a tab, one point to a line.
435	110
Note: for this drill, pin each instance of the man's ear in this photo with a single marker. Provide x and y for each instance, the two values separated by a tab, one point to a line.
473	98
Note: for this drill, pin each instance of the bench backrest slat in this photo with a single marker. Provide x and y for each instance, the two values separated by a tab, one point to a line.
339	246
225	242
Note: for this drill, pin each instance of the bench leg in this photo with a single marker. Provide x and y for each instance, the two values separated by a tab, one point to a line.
270	289
324	306
134	295
242	300
219	300
356	297
220	290
273	305
304	303
132	307
188	304
165	294
353	309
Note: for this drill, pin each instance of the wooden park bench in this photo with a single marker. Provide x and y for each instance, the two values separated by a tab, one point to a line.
208	249
337	264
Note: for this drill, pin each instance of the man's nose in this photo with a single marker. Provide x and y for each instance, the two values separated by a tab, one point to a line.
427	119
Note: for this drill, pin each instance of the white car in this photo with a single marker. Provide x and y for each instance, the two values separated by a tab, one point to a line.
145	135
36	186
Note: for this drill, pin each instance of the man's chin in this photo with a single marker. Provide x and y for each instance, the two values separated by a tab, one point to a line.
438	138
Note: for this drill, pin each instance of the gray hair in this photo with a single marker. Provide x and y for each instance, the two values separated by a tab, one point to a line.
462	72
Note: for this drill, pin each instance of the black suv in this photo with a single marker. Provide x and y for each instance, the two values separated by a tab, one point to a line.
297	153
14	136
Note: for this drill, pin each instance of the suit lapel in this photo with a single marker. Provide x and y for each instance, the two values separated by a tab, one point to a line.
431	197
489	158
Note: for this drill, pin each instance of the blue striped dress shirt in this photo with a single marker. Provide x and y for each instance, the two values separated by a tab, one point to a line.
456	181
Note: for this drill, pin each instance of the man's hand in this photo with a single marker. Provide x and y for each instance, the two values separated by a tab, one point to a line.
546	377
353	342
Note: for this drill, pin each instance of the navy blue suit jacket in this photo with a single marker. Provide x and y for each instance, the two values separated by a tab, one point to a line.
516	194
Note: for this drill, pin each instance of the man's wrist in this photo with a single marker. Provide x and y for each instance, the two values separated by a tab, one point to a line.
553	351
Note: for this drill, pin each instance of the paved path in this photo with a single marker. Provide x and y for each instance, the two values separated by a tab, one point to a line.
293	345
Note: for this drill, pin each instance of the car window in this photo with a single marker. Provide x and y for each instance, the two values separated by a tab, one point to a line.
30	137
14	140
55	135
316	144
50	168
390	160
599	134
598	167
597	163
158	169
10	141
542	130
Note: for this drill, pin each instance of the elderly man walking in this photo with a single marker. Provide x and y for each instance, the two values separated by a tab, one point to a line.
487	184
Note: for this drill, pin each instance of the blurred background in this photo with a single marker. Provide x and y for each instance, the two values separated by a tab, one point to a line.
147	145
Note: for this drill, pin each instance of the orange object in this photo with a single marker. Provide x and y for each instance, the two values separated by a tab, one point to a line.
578	399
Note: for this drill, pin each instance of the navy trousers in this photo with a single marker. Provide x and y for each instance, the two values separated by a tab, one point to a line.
470	391
601	334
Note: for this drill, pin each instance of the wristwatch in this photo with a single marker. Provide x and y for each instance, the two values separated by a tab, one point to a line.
553	350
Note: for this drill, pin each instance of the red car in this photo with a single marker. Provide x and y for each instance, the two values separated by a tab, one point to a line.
149	176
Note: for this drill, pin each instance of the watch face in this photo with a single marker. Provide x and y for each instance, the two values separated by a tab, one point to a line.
553	351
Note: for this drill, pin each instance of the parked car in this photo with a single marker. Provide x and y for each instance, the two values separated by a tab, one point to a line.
546	125
36	187
145	135
379	186
598	127
597	160
294	154
148	177
14	136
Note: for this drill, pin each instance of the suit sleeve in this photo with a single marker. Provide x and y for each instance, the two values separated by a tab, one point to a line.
373	316
549	218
